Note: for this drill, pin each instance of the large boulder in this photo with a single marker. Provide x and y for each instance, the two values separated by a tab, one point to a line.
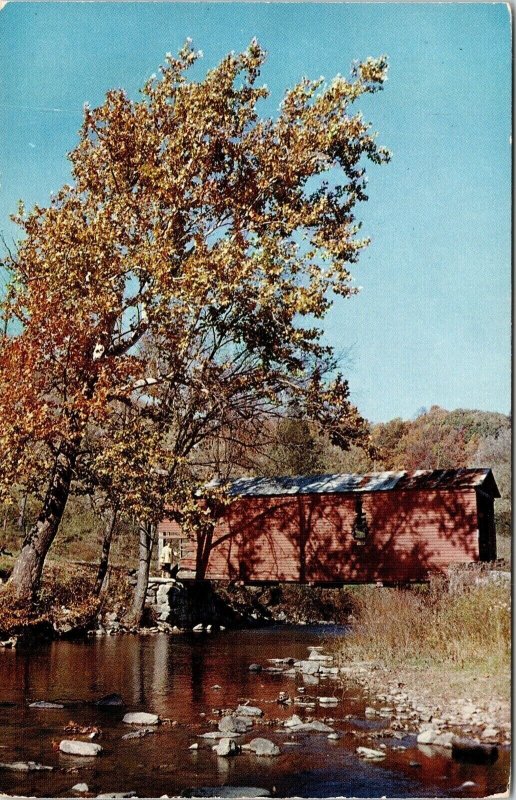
263	747
74	747
140	718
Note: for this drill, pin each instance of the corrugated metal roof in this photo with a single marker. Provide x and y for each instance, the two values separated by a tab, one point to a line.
342	483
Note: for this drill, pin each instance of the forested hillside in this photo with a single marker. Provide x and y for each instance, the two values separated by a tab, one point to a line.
435	439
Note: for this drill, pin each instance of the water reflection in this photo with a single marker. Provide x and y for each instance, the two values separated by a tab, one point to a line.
175	677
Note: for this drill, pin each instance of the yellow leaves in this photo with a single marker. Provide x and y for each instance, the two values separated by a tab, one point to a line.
188	206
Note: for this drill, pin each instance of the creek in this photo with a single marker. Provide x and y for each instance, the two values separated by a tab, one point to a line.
186	679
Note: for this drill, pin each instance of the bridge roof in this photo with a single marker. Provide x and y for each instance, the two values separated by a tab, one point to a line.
344	483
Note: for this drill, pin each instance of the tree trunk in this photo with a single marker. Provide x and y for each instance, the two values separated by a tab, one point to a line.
135	615
21	517
109	530
26	575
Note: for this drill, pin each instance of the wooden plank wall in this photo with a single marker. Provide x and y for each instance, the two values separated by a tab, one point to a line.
309	537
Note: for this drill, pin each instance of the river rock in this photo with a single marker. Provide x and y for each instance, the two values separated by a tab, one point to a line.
75	747
232	724
226	747
112	700
25	766
263	747
426	737
255	667
296	724
293	722
141	718
194	746
45	704
138	734
317	726
249	711
370	754
198	628
444	739
80	788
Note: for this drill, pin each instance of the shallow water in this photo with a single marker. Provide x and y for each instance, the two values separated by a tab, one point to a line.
175	676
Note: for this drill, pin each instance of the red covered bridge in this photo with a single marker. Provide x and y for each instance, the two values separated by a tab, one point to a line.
383	526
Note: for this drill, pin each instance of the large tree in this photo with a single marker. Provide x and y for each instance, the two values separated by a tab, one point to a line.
194	224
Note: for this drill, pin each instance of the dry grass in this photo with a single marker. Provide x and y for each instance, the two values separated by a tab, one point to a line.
65	601
468	630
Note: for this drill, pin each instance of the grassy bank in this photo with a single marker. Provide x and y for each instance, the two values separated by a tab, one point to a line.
451	644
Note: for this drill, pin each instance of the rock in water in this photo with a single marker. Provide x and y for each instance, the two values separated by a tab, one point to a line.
76	748
25	766
226	747
444	739
141	718
45	704
138	734
232	724
426	737
255	667
370	754
263	747
80	788
293	722
249	711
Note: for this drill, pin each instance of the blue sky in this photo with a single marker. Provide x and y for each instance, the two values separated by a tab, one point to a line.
432	322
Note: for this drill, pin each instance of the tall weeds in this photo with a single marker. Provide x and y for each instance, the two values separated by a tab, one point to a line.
410	627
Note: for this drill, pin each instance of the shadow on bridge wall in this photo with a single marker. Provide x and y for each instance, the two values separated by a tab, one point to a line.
309	538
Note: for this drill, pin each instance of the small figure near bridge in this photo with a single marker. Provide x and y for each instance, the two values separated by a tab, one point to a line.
165	560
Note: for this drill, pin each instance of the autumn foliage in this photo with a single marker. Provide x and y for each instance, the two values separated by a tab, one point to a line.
171	292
